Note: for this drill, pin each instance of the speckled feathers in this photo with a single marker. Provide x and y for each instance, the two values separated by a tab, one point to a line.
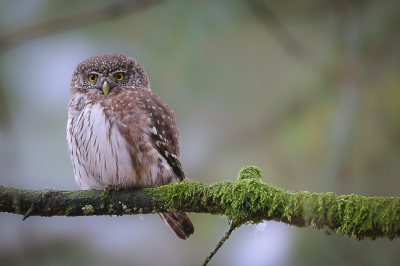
105	65
124	135
120	133
147	125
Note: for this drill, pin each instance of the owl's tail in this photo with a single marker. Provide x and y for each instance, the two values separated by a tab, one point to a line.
180	223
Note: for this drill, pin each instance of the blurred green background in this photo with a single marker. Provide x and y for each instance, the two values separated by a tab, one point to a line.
308	91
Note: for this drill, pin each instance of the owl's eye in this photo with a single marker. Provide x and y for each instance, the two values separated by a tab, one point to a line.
119	76
92	77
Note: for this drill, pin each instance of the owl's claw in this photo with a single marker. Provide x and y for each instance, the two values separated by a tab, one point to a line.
110	188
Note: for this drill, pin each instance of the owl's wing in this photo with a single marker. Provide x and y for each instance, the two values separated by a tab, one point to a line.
164	132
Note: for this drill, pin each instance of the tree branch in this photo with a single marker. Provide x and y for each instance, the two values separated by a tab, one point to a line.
247	200
288	41
60	24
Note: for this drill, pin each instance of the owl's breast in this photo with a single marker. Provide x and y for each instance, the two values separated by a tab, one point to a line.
98	151
109	145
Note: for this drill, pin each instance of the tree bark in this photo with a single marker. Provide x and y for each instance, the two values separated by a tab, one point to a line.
247	200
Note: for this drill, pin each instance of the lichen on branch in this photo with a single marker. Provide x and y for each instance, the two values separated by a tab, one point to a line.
248	200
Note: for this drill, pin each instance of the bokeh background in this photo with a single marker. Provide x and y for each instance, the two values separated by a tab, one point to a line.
308	91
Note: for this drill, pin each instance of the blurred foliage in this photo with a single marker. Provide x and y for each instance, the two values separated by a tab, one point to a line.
321	115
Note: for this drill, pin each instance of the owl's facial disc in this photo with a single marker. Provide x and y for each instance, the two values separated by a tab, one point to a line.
106	87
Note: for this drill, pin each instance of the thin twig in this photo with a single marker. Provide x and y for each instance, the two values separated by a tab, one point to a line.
217	247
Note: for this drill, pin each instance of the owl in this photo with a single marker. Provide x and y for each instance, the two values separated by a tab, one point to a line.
120	134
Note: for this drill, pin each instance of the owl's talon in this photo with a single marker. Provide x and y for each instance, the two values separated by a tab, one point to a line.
109	188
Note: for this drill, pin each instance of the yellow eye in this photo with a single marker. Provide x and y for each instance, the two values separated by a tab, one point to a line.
92	77
119	76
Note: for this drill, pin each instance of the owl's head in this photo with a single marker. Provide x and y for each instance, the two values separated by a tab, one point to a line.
104	72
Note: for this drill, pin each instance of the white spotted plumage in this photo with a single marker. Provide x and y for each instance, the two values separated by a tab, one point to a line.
99	153
117	132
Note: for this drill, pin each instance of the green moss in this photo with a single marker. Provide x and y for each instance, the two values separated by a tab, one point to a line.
70	211
105	197
172	209
249	172
239	200
249	200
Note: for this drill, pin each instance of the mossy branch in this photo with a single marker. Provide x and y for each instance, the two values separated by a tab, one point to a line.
247	200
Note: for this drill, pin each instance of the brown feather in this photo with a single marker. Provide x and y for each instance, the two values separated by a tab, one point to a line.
166	138
128	137
179	223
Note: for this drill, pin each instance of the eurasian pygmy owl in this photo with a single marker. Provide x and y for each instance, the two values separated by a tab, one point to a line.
120	133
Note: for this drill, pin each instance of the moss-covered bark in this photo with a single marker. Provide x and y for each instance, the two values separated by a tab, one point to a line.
247	200
51	202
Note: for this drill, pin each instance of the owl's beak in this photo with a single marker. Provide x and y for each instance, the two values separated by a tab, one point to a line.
106	87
